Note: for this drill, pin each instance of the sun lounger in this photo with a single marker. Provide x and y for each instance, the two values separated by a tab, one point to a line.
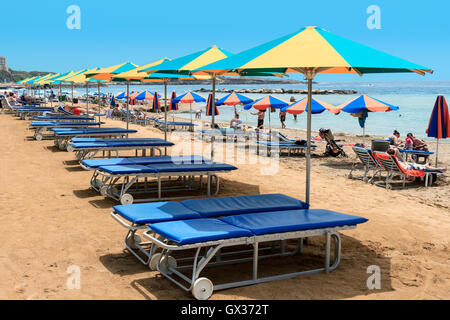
393	168
369	162
121	182
63	135
290	147
136	217
215	235
42	126
88	150
63	118
174	125
418	156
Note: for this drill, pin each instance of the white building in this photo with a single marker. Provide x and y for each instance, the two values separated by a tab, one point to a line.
3	65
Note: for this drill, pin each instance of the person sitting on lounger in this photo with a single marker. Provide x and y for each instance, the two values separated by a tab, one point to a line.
394	138
417	144
235	123
411	165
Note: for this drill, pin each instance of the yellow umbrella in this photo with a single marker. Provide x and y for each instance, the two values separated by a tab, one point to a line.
82	78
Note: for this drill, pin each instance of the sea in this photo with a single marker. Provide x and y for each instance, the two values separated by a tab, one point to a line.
415	100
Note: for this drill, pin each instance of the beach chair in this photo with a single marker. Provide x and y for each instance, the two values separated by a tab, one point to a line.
106	147
210	238
369	162
42	126
63	135
394	169
121	182
137	217
290	147
418	156
63	118
332	148
174	125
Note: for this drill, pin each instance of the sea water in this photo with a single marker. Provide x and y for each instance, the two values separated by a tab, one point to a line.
415	99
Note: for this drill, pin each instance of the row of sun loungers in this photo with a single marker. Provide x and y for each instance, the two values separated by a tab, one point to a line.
182	240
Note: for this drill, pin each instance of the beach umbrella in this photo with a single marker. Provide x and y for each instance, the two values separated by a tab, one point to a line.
234	99
317	107
361	106
267	102
144	95
156	105
173	105
190	97
311	51
210	108
439	124
121	95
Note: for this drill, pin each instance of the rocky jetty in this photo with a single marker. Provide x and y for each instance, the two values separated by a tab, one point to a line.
278	91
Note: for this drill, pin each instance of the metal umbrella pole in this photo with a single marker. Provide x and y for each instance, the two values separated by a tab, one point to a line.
87	98
128	93
437	152
213	104
309	75
165	114
72	94
98	97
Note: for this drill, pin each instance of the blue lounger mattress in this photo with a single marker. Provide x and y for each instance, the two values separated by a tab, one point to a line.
100	140
33	109
166	167
145	213
418	152
88	131
284	144
122	143
62	118
95	163
176	123
66	123
247	225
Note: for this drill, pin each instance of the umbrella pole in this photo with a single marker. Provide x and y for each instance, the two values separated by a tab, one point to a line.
87	98
165	114
98	97
72	94
437	152
309	77
190	110
213	105
364	135
128	93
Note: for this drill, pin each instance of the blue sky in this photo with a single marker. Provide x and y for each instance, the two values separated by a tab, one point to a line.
37	38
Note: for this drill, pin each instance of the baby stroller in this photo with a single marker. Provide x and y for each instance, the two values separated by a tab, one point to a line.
332	148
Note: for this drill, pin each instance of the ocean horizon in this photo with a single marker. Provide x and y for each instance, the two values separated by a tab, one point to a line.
414	98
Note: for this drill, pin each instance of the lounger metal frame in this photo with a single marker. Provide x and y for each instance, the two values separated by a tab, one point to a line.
120	187
202	288
38	133
369	162
89	153
62	140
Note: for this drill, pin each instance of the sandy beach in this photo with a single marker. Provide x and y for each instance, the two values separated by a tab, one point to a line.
52	220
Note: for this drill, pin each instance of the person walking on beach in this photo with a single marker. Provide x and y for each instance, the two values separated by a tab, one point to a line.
283	119
261	114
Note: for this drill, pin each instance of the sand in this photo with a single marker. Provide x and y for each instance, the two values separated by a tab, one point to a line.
52	220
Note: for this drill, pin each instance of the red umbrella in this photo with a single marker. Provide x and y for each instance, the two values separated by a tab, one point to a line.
439	124
209	109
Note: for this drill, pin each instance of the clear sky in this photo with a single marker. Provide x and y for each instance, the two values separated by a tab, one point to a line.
35	35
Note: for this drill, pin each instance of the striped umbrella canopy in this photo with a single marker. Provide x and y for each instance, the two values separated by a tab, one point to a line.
317	107
365	102
189	97
233	99
121	95
311	51
173	105
362	105
136	74
267	102
156	105
107	73
439	124
24	80
144	95
62	78
209	107
42	80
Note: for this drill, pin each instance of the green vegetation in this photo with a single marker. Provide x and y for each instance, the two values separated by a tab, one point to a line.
14	76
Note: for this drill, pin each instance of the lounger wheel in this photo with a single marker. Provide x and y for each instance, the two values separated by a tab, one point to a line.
104	190
154	261
166	263
126	199
132	239
365	179
69	148
202	289
389	187
38	137
350	176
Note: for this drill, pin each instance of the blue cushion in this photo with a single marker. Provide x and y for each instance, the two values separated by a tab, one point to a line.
215	207
95	140
284	144
198	230
66	123
111	144
90	131
144	213
291	220
127	169
95	163
192	167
